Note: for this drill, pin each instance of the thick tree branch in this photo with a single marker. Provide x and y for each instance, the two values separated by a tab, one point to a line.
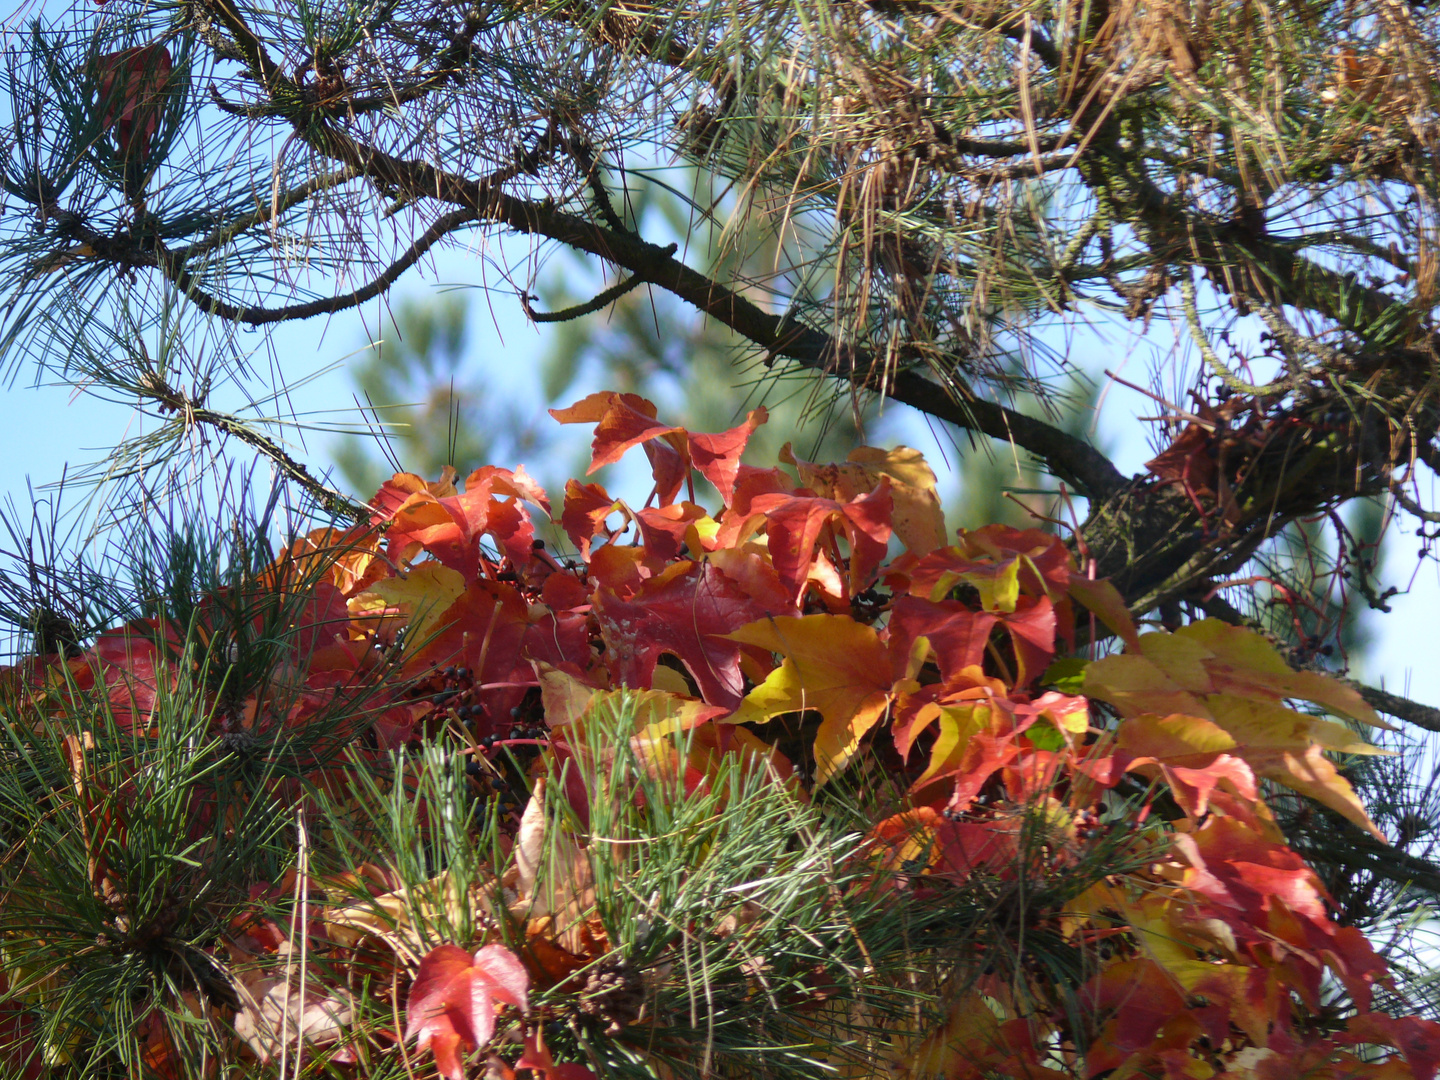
1072	460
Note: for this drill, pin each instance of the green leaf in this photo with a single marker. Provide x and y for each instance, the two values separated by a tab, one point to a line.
1066	674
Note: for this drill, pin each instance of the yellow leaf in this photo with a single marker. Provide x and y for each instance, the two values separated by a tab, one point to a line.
957	728
834	665
971	1032
1265	724
424	595
1243	661
1136	685
1311	773
564	697
998	586
1181	658
917	518
1212	657
1175	736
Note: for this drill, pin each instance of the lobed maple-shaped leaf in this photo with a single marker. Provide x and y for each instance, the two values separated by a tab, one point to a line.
348	559
1020	591
717	456
1185	747
623	421
448	523
1266	893
1210	690
586	508
494	631
451	1006
422	595
974	1044
130	668
957	634
1176	672
1141	999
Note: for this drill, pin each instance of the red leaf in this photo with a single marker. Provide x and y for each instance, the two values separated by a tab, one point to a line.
132	87
586	508
663	528
493	631
451	1007
448	523
621	421
718	456
1031	627
796	523
1417	1039
686	611
957	634
750	484
624	420
669	465
537	1057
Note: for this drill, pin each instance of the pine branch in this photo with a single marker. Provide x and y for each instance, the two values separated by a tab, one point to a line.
253	315
171	400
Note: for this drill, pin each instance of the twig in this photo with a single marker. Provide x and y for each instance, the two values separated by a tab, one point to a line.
189	412
253	315
1197	334
604	299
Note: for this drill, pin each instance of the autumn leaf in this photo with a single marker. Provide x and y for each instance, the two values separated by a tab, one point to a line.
1104	601
832	664
494	631
275	1011
1418	1039
537	1058
957	634
448	523
917	518
451	1006
626	420
132	89
795	524
1173	672
1283	751
586	508
1240	661
718	456
687	612
621	421
422	595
